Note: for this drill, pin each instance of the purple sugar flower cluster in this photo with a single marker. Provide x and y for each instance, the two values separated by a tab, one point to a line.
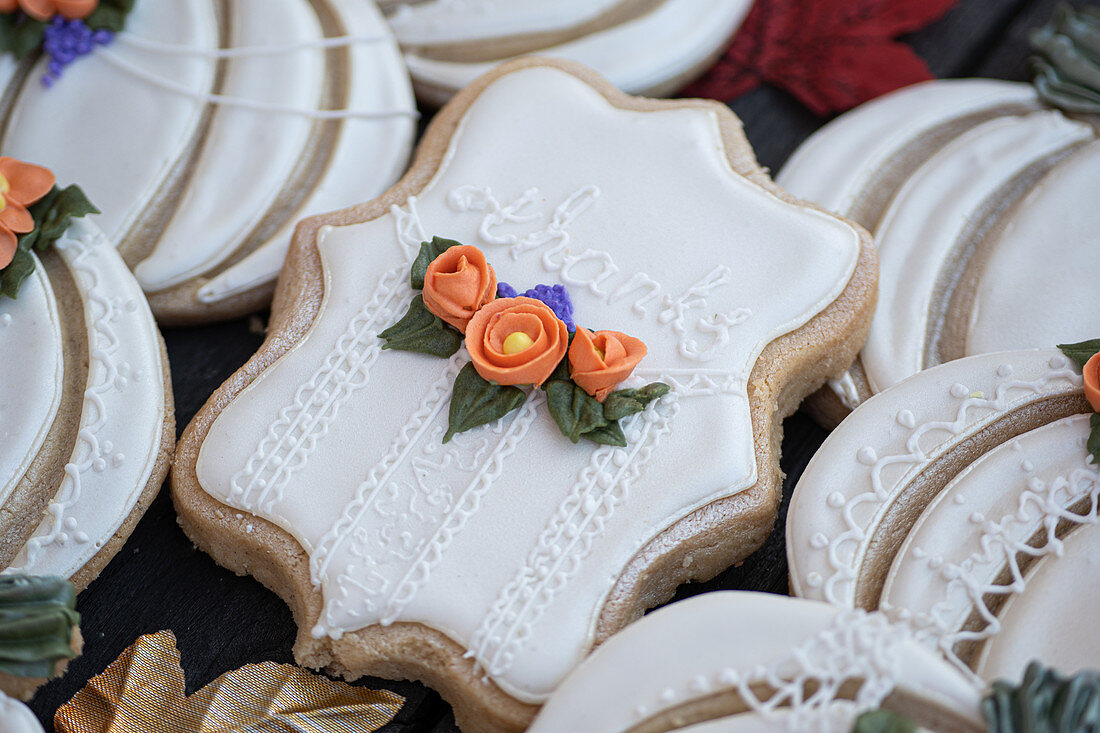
554	296
67	40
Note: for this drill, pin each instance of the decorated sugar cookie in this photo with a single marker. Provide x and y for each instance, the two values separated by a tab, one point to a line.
207	129
964	501
651	47
733	661
515	401
86	414
974	192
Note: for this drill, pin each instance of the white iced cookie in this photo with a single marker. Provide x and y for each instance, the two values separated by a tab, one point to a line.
86	416
206	130
974	195
740	662
651	47
963	501
488	566
15	717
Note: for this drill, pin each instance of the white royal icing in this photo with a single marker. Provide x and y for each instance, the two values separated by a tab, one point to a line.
339	443
1039	283
948	567
15	717
835	164
639	55
980	524
122	418
30	392
810	654
929	216
940	201
144	97
455	21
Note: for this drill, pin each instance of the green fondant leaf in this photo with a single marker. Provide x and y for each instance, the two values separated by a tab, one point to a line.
1081	352
1093	445
27	37
1044	702
52	215
610	434
630	401
575	411
421	331
12	276
882	721
476	401
37	616
428	252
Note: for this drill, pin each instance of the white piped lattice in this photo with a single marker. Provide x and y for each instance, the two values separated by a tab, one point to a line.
288	443
562	546
843	549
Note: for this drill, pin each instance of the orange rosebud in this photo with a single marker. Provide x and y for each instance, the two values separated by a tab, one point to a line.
46	9
21	184
600	361
1091	372
458	283
516	341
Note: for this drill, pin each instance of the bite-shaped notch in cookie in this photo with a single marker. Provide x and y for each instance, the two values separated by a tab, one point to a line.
517	400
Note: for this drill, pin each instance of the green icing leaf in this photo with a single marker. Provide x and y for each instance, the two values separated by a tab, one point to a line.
12	276
1044	702
882	721
52	215
110	15
26	38
428	252
1081	352
1067	59
37	616
476	401
630	401
1093	445
610	434
575	411
422	331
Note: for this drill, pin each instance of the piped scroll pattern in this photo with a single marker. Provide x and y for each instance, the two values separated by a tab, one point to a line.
290	440
843	550
106	373
601	486
1042	506
559	259
408	524
812	685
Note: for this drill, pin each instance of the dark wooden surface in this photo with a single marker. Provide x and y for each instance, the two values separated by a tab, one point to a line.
161	581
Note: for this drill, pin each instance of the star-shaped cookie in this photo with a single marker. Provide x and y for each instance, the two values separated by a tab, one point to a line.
488	566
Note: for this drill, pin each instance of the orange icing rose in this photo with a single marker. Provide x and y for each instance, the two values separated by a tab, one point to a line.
600	361
526	359
1091	372
46	9
21	184
458	283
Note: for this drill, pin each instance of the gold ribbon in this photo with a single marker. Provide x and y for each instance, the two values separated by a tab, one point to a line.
143	692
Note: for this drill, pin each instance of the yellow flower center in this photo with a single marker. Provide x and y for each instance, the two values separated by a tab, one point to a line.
600	352
516	342
4	188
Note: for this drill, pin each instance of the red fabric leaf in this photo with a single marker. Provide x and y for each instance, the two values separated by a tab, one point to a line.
830	54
